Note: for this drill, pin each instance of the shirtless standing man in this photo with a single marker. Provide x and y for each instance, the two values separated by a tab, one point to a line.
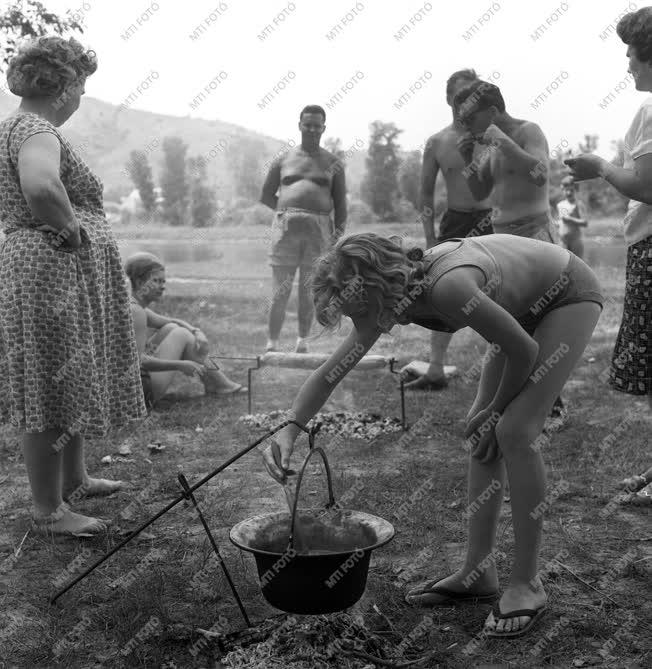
465	216
511	165
310	216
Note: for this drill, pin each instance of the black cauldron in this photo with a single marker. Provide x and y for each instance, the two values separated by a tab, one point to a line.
321	569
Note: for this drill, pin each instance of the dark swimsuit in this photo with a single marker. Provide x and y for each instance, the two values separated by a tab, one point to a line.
577	283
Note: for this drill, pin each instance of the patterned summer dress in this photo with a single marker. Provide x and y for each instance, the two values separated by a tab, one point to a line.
68	355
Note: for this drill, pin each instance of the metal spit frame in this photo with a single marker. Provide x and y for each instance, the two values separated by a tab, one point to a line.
257	359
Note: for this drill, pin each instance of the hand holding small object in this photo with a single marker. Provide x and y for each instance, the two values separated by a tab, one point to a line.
586	166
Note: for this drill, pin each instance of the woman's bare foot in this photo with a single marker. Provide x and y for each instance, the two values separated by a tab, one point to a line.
463	582
216	383
91	488
517	596
64	522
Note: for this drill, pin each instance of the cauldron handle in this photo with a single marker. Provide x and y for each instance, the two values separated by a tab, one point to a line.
331	497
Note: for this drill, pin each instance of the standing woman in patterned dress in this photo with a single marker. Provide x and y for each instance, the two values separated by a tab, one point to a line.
631	365
68	358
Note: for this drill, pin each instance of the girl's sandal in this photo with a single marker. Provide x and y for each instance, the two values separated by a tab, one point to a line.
447	597
52	525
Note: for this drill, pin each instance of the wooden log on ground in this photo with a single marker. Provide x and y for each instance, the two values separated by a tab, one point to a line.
418	368
315	360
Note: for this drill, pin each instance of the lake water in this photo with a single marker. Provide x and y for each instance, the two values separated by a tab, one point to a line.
204	262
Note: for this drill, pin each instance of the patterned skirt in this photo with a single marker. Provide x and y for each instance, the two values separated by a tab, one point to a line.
68	355
631	364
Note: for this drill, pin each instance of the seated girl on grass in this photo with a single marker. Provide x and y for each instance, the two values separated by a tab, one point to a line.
537	304
175	346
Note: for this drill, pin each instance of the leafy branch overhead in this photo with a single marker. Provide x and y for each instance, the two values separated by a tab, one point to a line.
29	18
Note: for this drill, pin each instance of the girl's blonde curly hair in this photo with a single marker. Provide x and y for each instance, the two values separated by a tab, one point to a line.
47	66
359	263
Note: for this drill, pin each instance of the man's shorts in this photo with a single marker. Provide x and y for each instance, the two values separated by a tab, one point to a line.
300	236
465	224
537	226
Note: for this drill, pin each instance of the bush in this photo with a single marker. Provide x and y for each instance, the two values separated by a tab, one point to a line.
360	213
404	212
258	214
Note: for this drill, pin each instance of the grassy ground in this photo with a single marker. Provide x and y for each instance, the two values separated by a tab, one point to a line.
171	585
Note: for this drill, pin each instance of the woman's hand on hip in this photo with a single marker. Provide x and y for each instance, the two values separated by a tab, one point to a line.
71	237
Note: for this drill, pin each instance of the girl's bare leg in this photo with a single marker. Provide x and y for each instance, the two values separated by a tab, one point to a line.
76	481
177	343
562	336
483	522
44	463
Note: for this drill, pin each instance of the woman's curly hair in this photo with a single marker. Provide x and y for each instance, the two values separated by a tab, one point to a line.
635	29
357	264
47	66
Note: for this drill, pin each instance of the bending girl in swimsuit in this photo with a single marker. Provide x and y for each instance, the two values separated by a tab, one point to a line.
537	305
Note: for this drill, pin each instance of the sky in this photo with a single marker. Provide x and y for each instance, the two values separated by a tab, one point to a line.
256	63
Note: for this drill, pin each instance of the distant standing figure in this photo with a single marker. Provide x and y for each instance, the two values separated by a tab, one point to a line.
310	216
68	357
572	218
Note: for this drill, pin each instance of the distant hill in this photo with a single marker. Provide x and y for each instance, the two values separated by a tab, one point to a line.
105	136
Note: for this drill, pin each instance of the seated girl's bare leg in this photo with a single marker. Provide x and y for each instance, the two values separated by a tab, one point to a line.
562	337
180	344
174	345
214	380
157	338
76	481
478	573
43	456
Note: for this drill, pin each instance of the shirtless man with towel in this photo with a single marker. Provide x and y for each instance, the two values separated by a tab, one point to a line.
507	158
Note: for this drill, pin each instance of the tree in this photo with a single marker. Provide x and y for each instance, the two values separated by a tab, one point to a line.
203	206
618	147
409	177
140	173
174	183
29	18
245	158
334	146
380	185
